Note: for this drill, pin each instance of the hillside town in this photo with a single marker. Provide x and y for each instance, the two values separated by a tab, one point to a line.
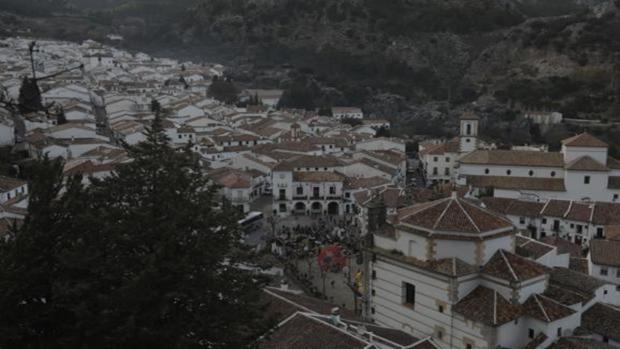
374	243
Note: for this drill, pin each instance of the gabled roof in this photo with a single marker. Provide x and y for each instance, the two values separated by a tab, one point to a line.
469	116
603	319
584	140
304	331
453	214
545	309
586	163
530	248
576	282
487	306
511	267
605	252
9	183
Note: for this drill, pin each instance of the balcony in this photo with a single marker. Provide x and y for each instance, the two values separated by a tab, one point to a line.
317	197
281	198
333	197
300	197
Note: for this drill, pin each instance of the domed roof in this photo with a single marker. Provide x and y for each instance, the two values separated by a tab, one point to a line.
453	215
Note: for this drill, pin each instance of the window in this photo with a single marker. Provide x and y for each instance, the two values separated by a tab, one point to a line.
435	159
544	220
332	190
447	159
447	171
531	173
615	197
372	310
486	171
468	129
439	333
409	296
440	308
586	179
559	331
315	191
374	274
282	194
347	195
372	292
467	140
521	220
282	207
531	333
599	232
603	271
435	171
552	173
469	346
508	172
300	190
316	168
618	273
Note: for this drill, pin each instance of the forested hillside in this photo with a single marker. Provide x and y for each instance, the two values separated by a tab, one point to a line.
417	62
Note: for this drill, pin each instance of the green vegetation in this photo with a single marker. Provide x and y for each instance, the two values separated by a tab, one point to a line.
224	90
141	259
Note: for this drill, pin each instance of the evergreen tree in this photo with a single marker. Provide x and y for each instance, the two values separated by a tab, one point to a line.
61	118
143	258
223	90
29	99
155	106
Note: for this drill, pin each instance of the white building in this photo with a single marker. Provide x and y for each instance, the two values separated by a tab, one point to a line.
448	269
582	171
11	188
604	260
347	113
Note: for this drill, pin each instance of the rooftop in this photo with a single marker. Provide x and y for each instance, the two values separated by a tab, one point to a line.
453	214
585	140
514	158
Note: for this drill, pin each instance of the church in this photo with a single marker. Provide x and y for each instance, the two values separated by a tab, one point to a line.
581	171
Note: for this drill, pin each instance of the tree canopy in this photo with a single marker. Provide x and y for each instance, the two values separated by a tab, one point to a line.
142	258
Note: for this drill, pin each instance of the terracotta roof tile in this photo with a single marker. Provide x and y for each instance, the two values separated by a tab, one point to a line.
603	319
526	183
453	214
488	307
556	208
545	309
584	140
514	158
511	267
586	163
605	252
563	245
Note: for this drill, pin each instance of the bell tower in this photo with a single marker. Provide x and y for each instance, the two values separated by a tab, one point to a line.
468	137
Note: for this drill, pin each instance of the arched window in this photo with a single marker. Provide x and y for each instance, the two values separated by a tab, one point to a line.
486	171
531	173
468	129
508	172
552	173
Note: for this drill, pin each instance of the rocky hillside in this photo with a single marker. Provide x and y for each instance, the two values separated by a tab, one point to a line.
416	61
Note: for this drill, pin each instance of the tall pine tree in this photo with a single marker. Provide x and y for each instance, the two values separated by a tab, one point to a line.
143	258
